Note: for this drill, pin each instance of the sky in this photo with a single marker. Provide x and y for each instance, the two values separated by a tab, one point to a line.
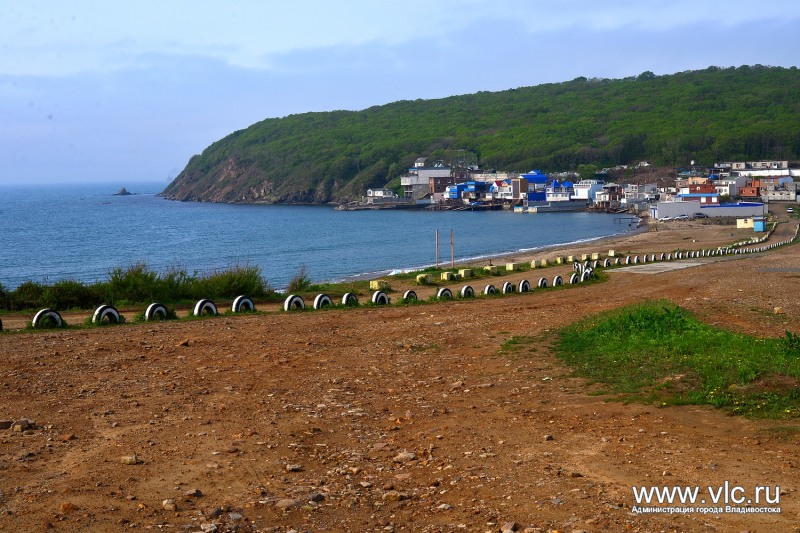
127	92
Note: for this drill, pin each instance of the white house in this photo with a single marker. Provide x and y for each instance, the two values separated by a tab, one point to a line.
586	189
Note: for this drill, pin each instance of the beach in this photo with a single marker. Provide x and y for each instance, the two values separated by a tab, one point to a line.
395	418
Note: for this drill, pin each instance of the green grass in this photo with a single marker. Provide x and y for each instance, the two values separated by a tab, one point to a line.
659	352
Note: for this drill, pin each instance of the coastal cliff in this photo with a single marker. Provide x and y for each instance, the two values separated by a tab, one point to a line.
744	113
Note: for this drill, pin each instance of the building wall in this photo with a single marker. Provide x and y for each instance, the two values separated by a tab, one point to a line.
673	209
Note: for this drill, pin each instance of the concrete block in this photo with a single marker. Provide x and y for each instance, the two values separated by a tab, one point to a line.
423	278
511	267
378	285
559	260
447	276
491	269
595	256
612	253
543	263
465	272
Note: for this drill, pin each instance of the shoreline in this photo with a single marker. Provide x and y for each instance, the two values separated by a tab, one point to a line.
523	255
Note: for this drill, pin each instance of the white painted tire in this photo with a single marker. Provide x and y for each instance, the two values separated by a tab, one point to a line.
322	300
489	289
586	275
155	309
242	303
558	281
204	306
524	286
103	312
293	302
543	283
380	298
574	278
467	292
52	314
508	288
349	299
628	260
444	294
607	263
577	267
409	296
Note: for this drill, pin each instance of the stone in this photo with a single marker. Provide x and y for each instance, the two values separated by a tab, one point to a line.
67	507
287	503
404	457
67	437
445	507
317	497
366	484
194	493
235	516
169	505
184	342
394	496
294	468
130	460
548	437
6	424
509	527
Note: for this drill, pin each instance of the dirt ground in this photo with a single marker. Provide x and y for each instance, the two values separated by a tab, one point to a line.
397	418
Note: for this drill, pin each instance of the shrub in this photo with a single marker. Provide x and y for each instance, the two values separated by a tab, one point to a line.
27	296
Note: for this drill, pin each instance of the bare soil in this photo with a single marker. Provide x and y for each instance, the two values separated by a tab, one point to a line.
300	421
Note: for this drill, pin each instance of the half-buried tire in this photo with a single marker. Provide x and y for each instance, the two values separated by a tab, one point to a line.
380	298
349	299
322	300
444	294
409	296
47	318
106	313
293	302
156	311
205	307
467	292
489	289
242	303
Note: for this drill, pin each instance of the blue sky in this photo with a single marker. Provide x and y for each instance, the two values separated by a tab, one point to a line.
128	92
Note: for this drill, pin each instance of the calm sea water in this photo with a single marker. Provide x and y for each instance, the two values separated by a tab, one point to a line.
81	232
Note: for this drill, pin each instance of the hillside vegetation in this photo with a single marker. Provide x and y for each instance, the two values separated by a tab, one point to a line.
744	113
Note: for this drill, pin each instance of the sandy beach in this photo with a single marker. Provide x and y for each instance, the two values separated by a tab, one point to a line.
395	418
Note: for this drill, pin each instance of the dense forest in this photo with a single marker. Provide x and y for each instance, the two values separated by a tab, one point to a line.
744	113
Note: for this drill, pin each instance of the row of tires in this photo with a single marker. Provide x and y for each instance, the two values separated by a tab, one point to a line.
295	302
583	271
155	311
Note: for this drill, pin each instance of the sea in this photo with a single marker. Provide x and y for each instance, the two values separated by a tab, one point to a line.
82	232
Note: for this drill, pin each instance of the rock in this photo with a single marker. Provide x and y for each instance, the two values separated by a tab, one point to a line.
67	507
184	342
778	310
67	437
445	507
208	527
6	424
366	484
169	505
548	437
575	474
294	468
122	192
194	493
394	496
214	513
287	503
509	527
317	497
235	516
130	460
404	457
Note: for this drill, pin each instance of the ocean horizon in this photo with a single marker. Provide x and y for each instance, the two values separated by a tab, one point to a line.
82	232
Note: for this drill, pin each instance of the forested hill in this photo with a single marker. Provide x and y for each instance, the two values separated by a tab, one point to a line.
744	113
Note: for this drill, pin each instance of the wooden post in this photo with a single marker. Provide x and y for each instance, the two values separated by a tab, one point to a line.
437	249
452	249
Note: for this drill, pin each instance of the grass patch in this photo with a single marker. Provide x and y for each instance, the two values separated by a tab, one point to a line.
658	352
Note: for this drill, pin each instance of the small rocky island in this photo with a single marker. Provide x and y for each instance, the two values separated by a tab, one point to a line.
122	192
